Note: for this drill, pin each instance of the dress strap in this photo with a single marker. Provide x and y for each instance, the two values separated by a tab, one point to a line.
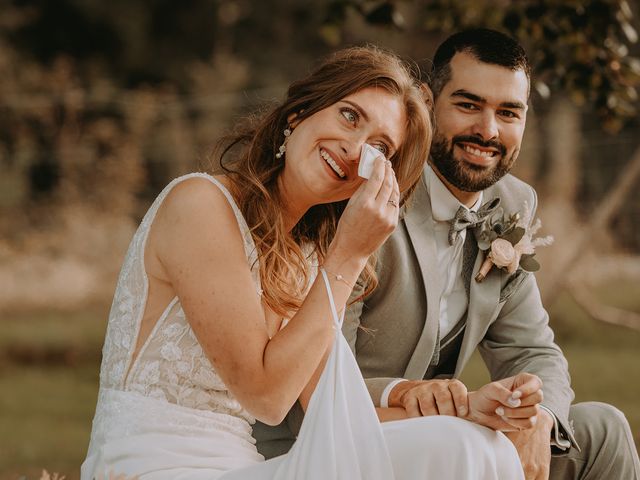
231	200
337	320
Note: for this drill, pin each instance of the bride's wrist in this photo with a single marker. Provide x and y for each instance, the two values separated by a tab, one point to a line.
344	267
344	272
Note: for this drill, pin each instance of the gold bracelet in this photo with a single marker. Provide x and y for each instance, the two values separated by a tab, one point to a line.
337	277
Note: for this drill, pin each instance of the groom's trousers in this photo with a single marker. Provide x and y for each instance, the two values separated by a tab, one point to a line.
608	451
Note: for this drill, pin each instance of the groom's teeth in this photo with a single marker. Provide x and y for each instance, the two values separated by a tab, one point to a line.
331	162
479	153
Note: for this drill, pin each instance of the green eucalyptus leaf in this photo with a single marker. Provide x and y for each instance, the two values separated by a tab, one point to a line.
515	235
528	263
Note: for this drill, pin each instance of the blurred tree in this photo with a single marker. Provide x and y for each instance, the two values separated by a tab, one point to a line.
130	42
576	46
156	41
101	103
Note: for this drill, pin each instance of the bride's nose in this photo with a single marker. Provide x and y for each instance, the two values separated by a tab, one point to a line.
351	150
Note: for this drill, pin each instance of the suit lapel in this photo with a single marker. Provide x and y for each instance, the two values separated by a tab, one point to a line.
419	223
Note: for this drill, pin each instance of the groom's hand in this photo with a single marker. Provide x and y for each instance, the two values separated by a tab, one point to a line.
422	398
510	404
534	447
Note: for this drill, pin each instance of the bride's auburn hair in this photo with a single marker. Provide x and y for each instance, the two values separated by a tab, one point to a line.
248	157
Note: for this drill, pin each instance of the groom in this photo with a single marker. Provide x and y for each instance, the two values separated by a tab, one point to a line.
428	314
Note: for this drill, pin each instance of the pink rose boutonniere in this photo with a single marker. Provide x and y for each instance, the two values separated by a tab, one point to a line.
508	242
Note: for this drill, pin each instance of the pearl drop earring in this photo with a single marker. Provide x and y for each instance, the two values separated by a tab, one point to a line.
283	147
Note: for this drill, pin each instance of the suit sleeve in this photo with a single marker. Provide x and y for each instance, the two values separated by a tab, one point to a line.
520	340
350	328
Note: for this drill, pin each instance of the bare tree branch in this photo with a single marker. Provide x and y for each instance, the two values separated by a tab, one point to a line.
602	312
608	208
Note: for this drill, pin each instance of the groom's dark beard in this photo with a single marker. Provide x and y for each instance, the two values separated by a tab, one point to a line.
466	176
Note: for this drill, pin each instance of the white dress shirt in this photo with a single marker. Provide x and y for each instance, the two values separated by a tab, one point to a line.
453	297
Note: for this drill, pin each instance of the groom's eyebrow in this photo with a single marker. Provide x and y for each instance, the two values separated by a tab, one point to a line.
514	105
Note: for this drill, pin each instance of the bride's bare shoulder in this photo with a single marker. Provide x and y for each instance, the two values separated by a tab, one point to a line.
196	207
197	198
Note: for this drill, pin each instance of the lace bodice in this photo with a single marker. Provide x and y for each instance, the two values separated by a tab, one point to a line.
171	364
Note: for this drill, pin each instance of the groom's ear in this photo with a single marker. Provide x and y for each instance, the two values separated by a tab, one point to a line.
427	94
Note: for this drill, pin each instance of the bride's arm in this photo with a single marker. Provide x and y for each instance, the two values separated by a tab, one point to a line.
198	243
385	414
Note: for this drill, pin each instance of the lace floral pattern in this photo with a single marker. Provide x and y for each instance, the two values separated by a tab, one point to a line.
171	365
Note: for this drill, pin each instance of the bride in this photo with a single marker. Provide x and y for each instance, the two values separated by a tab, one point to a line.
228	305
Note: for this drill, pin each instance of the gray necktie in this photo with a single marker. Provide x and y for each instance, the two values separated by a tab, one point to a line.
469	254
465	218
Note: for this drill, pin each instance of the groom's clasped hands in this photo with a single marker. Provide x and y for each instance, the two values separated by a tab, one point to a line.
510	404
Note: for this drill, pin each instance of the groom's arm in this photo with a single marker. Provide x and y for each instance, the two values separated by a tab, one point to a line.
414	397
350	329
520	340
396	398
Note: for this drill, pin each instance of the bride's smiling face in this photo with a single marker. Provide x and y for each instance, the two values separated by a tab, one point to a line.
323	151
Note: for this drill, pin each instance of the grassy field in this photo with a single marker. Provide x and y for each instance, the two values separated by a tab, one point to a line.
48	375
49	372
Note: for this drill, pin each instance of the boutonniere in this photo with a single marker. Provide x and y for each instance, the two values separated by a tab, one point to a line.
508	242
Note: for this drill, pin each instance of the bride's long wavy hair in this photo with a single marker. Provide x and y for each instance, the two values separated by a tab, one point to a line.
248	157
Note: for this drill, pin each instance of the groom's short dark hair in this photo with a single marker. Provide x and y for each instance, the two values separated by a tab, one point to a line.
488	46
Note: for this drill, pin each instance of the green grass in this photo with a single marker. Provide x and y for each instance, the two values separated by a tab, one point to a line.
49	378
79	331
49	368
46	419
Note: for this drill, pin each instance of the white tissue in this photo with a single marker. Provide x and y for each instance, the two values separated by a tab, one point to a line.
368	154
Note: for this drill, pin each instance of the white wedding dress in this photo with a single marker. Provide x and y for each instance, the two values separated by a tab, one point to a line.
167	414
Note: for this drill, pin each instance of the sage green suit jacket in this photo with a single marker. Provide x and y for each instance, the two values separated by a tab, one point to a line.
505	317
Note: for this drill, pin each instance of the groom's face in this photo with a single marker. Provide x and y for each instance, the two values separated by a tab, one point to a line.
480	118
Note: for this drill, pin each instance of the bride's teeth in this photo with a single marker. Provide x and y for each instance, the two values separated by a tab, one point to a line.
336	168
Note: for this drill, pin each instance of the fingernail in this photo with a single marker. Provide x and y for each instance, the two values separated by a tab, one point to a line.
513	402
534	420
462	411
516	394
500	411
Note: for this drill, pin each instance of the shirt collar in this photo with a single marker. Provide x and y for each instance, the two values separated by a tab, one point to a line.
444	204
